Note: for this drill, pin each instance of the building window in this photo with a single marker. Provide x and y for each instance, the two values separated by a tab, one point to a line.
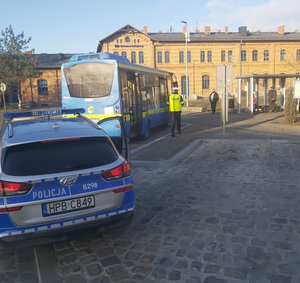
205	82
117	40
120	40
141	57
133	57
282	55
181	57
116	53
254	55
124	54
266	55
127	39
189	57
209	56
229	56
167	57
223	56
159	57
43	87
202	56
243	55
298	54
134	40
138	41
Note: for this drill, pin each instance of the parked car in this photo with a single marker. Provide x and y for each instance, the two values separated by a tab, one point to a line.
59	174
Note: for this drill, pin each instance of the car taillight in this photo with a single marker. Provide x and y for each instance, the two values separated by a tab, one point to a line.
10	209
117	173
13	189
122	190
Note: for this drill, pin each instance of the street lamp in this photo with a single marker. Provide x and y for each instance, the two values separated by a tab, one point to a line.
187	38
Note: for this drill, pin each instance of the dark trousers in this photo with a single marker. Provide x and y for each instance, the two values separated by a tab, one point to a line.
176	119
213	106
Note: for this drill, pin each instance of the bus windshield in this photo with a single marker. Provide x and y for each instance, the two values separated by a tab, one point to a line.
89	80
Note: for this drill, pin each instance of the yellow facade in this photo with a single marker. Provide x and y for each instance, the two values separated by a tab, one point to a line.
196	68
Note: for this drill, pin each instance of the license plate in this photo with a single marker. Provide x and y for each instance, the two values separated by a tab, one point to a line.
63	206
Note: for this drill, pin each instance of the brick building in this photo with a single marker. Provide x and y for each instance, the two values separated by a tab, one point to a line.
248	53
46	89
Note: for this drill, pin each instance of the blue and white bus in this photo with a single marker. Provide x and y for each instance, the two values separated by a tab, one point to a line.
108	85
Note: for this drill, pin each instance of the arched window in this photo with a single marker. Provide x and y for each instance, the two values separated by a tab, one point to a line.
298	54
254	55
167	57
209	56
223	56
205	82
229	56
189	57
181	57
282	55
202	56
42	87
243	55
159	57
133	57
116	53
124	54
141	57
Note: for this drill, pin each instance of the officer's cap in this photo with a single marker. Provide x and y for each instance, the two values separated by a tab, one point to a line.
175	88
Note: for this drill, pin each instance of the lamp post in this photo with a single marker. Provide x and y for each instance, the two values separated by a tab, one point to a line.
187	38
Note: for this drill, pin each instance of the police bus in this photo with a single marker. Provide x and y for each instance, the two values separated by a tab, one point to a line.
108	85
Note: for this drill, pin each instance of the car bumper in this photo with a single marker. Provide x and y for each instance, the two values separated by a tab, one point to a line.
65	233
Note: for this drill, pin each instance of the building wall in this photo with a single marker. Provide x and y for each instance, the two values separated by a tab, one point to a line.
197	69
30	94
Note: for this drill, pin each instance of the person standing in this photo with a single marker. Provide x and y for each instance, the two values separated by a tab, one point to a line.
272	99
213	99
175	102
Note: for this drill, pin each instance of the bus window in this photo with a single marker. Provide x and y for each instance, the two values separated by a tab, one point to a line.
124	92
163	92
142	79
150	90
156	92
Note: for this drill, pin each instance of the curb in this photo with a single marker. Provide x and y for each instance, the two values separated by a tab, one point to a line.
169	162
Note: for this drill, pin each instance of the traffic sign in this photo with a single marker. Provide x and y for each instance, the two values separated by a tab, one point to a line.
2	87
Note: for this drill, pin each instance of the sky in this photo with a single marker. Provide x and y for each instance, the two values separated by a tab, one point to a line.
73	26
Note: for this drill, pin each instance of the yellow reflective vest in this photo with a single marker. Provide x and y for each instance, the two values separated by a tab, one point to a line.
175	102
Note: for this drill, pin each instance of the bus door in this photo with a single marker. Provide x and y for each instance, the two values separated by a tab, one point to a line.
134	104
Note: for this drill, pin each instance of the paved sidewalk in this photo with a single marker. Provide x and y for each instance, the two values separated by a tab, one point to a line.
201	126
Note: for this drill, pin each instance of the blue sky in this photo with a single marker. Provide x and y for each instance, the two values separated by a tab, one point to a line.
75	26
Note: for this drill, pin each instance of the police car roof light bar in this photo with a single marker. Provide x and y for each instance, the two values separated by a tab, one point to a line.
22	114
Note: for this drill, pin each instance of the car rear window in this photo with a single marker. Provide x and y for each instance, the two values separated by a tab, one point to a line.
49	157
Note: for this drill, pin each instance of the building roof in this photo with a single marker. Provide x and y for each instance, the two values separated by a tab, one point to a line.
226	37
52	61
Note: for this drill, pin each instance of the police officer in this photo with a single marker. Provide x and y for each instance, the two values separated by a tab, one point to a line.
175	102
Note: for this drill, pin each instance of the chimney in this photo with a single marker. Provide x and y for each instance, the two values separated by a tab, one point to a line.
159	31
219	31
296	31
197	31
243	31
226	29
258	31
145	30
184	29
281	30
207	30
28	52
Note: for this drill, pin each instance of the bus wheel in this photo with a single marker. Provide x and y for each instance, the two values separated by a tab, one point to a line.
146	135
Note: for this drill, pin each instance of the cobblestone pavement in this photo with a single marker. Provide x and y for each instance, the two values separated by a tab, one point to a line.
229	212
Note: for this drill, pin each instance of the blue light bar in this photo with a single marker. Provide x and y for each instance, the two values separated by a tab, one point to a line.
22	114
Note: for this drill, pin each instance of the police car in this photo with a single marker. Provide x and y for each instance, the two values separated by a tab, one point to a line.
60	174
